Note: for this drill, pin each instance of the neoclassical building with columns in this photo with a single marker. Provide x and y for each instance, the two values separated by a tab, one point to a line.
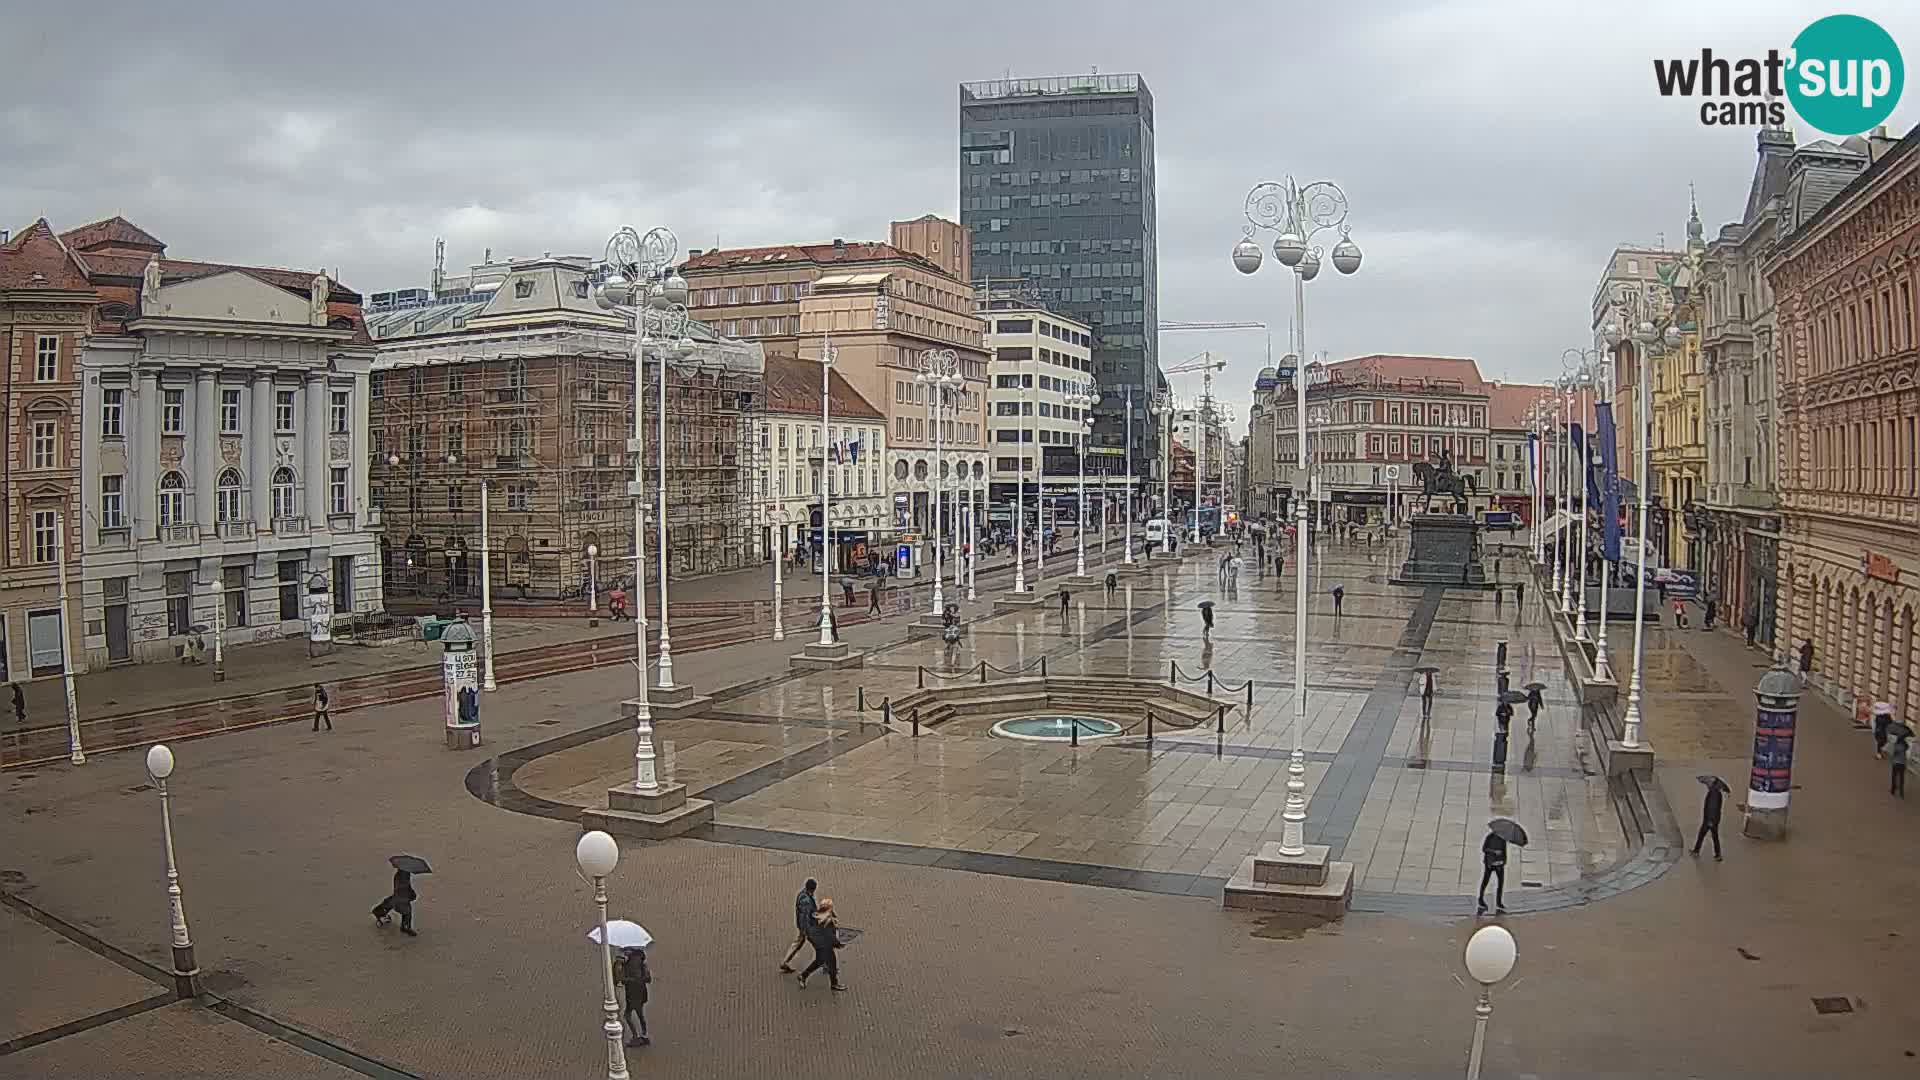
1846	283
224	456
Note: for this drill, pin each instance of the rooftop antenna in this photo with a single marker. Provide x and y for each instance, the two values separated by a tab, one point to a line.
439	264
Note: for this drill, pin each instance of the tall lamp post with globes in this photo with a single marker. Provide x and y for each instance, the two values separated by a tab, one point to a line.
940	375
639	278
1297	214
828	354
976	502
1594	376
186	972
597	855
1645	339
1082	399
1490	957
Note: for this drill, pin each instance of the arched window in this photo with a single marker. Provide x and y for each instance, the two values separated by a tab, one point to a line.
519	442
229	507
173	500
282	490
517	378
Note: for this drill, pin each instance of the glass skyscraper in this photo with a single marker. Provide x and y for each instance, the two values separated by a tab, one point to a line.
1056	189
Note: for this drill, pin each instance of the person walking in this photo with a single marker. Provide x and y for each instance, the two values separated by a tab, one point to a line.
1679	613
617	604
824	936
400	900
1493	866
1066	603
1899	758
873	595
320	712
1113	586
803	909
1426	696
1882	720
846	590
1710	818
19	706
1534	701
1206	618
1713	608
631	972
1339	594
1752	626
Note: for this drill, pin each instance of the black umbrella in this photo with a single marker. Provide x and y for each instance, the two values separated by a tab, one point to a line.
412	864
1713	781
1428	669
1206	605
1512	697
1536	686
1509	830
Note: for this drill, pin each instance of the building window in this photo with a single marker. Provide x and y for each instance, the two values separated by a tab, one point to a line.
283	411
46	358
113	511
233	592
517	497
343	583
282	492
337	491
172	411
45	437
179	592
289	572
173	500
227	493
229	412
456	498
46	536
112	405
340	409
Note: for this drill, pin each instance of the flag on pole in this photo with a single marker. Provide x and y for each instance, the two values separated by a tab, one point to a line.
1610	483
853	452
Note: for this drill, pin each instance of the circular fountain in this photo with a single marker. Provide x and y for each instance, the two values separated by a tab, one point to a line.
1056	728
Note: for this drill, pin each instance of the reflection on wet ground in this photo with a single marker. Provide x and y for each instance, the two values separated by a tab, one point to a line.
1403	796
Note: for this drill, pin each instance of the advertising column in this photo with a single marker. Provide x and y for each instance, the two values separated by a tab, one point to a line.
460	687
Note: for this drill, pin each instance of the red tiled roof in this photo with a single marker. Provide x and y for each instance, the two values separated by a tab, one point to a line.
114	232
36	259
755	258
1393	368
793	388
1507	404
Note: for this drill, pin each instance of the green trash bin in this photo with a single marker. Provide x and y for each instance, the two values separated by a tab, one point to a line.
432	627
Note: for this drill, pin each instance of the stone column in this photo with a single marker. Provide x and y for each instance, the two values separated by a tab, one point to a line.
206	450
314	455
143	501
259	448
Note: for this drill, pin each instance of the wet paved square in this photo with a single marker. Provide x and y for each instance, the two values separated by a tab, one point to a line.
1405	797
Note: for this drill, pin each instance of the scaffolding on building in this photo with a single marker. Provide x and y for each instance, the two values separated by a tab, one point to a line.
544	418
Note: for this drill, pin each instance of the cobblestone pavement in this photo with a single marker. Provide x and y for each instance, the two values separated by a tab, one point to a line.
1709	970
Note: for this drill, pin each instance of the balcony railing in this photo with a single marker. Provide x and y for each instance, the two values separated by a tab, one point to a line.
180	534
236	530
290	526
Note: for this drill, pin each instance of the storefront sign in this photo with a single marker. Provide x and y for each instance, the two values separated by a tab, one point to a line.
1875	565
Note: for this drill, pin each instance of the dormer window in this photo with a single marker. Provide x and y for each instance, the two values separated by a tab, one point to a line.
523	288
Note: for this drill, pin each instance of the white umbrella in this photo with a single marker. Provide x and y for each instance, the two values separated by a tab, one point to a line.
625	934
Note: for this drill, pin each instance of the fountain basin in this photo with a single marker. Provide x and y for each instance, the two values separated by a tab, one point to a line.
1056	729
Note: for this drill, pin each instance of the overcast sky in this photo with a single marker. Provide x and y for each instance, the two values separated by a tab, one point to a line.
1493	152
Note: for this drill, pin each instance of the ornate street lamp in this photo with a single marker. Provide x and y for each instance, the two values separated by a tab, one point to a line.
1297	214
1644	337
940	375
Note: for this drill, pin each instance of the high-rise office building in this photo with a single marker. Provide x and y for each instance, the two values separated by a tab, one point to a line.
1056	188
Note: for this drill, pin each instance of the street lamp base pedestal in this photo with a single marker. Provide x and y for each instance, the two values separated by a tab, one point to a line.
1765	824
818	657
1163	556
186	973
1309	884
1621	759
1081	581
1025	601
654	815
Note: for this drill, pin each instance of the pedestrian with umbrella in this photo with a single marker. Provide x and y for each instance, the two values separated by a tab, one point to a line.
1113	585
1534	701
1339	594
630	971
1882	720
403	895
1902	734
1710	814
1493	860
1206	618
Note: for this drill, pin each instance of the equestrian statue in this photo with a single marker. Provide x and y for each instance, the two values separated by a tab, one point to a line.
1439	478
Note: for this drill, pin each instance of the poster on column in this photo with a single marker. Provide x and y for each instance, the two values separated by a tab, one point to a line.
460	673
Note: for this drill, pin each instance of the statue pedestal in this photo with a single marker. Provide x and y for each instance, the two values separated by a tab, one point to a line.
1443	549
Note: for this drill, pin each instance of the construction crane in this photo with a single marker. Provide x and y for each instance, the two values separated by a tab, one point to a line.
1206	365
1176	325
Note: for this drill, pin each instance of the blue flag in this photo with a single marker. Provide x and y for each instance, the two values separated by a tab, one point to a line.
1610	483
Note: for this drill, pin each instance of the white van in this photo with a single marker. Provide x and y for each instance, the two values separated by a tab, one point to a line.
1157	532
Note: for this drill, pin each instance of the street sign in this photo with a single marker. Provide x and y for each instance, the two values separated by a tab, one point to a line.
1393	472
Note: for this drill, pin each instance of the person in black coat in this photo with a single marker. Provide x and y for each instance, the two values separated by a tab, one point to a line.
1534	701
1806	662
400	900
1710	820
633	975
824	936
803	908
1493	865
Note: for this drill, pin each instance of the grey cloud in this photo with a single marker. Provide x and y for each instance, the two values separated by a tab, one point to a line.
1494	152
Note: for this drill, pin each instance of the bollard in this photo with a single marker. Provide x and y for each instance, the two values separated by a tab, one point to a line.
886	711
916	723
1043	667
1220	722
1249	699
920	677
1500	655
1173	672
983	672
861	705
1209	682
1075	721
1149	727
